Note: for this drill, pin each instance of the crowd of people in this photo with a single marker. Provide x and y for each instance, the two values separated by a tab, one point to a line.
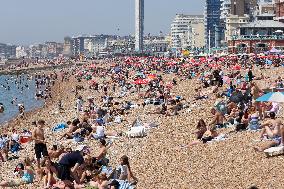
230	81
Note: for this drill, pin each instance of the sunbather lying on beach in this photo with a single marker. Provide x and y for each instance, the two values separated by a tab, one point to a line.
271	129
203	135
72	128
218	119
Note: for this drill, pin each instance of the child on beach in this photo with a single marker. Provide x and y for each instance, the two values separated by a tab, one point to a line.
24	171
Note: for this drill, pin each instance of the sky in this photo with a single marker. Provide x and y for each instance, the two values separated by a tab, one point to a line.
25	22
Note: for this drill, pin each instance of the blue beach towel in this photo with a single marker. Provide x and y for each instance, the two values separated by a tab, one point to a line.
59	127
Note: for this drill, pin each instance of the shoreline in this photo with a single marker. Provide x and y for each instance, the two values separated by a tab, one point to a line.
41	68
28	114
45	102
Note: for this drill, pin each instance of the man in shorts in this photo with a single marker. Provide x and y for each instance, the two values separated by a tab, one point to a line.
66	169
40	143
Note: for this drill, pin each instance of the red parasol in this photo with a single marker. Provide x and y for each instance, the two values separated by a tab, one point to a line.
141	81
236	67
171	63
152	76
214	66
186	65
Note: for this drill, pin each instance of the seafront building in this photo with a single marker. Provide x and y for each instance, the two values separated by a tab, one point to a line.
233	23
139	25
187	32
20	52
213	28
157	46
258	37
7	51
279	10
68	47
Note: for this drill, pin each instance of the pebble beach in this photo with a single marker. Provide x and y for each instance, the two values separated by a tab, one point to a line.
158	159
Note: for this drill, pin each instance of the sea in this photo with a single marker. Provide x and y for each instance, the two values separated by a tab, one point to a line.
16	90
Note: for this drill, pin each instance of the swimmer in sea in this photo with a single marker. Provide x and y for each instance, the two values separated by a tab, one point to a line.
14	101
1	108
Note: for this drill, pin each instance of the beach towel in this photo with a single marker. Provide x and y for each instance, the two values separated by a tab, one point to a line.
138	131
274	151
100	121
123	184
107	170
78	138
59	127
117	119
254	125
15	148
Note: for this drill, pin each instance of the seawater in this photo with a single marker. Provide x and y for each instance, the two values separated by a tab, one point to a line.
21	88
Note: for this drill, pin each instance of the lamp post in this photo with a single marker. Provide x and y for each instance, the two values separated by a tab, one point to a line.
209	41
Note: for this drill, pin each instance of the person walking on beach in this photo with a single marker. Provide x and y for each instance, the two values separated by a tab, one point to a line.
40	143
256	93
79	104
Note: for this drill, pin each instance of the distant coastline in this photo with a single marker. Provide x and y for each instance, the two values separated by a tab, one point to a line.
35	69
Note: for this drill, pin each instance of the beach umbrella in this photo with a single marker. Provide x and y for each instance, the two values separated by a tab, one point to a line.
171	63
186	65
141	81
215	66
236	67
271	97
92	66
269	62
274	50
152	76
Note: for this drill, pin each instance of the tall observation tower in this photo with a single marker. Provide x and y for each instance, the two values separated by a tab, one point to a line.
139	25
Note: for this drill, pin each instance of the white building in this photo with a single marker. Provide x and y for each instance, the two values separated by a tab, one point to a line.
20	52
156	46
187	31
233	24
225	9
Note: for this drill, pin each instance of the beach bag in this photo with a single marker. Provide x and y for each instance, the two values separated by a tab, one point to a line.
138	131
253	125
78	138
100	121
103	162
15	148
25	139
59	127
240	127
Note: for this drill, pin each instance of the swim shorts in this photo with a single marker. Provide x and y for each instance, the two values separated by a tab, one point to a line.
41	150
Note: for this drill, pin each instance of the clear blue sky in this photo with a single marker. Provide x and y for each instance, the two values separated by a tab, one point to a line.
31	21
